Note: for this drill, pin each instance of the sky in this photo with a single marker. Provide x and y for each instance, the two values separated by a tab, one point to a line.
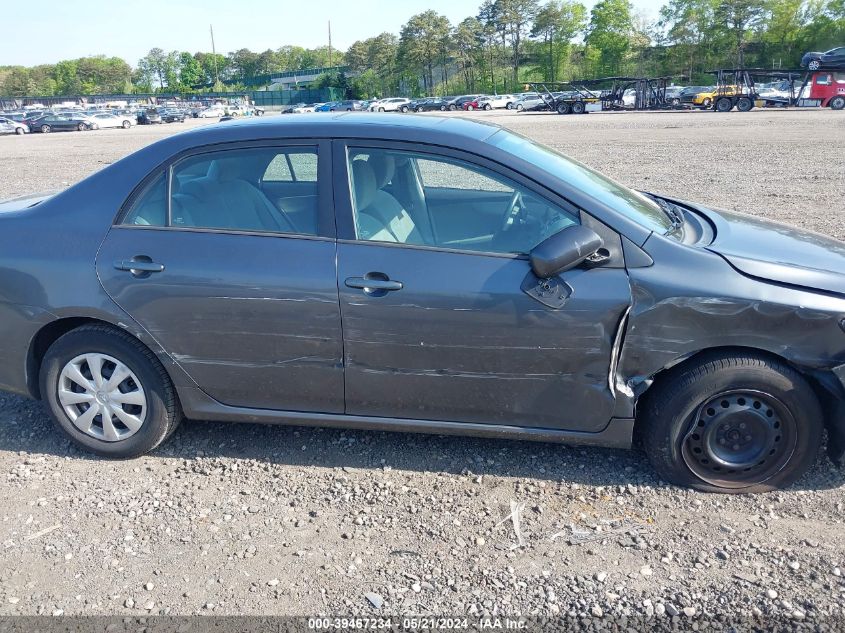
67	30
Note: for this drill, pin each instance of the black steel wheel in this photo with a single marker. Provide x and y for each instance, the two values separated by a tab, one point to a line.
739	438
731	423
837	103
744	104
724	104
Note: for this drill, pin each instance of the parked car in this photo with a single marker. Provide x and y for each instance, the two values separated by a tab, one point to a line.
689	93
149	116
326	107
59	123
529	102
108	120
830	60
706	99
614	313
393	104
491	102
172	116
211	113
10	126
306	107
430	104
458	102
349	105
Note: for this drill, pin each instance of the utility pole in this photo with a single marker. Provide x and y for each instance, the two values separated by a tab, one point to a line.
214	55
330	43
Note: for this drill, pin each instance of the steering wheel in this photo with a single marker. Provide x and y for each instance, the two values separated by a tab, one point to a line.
515	207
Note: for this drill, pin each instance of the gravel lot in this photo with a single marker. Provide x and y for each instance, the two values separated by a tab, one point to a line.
229	519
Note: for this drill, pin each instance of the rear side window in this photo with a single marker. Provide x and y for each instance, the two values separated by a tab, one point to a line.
272	190
150	207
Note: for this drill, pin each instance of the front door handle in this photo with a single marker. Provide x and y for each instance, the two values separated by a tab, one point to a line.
377	284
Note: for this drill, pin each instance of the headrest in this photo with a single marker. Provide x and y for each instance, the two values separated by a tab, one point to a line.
364	183
384	167
225	169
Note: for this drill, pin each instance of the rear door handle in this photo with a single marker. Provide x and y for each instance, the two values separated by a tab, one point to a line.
140	266
374	283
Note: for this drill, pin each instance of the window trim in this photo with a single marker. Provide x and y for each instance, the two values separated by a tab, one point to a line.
345	209
326	224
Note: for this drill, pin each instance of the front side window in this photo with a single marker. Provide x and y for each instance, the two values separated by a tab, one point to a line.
265	189
428	200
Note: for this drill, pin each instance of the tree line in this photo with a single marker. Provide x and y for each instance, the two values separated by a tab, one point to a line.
507	43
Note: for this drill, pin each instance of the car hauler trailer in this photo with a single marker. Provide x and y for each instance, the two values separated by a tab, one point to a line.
568	97
737	88
635	93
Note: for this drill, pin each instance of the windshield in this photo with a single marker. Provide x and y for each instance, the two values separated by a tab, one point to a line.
629	203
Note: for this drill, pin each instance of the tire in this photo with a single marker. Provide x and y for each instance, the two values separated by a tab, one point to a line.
519	107
564	108
20	131
744	104
381	109
509	106
126	125
578	107
161	413
814	65
470	108
707	103
698	407
453	107
837	103
487	106
724	104
45	129
443	108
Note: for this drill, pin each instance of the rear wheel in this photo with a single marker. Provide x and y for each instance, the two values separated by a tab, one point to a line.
404	108
837	103
744	104
509	106
487	106
126	125
381	109
519	107
45	129
814	65
732	423
81	127
19	131
564	108
443	108
724	104
470	108
108	392
578	107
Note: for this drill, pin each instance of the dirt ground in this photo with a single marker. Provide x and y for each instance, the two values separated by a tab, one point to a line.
247	519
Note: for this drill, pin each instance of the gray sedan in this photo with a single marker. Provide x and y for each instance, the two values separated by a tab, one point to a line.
421	274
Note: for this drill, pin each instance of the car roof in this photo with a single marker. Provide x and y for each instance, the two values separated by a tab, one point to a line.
343	125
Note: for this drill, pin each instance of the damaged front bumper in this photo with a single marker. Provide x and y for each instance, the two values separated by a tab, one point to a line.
834	410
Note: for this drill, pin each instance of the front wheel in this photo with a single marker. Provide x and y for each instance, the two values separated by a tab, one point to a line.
20	131
731	423
838	102
126	125
487	106
563	108
381	109
814	65
404	109
45	129
81	127
519	107
509	106
108	393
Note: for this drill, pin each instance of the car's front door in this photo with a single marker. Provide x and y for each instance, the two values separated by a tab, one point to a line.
238	289
441	315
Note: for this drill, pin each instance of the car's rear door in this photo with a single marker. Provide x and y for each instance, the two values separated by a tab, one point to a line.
442	318
244	300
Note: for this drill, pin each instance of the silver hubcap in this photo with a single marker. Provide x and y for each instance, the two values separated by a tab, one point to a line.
102	397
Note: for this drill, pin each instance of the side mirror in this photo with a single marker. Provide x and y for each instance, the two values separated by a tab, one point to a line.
564	250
